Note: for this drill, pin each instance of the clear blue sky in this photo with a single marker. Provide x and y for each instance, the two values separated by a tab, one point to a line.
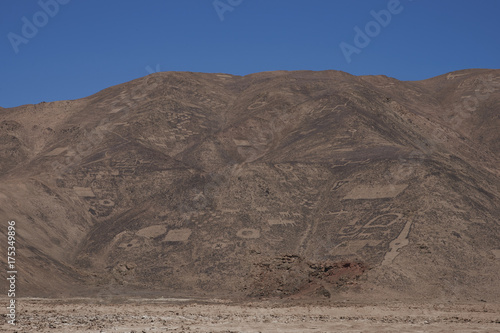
89	45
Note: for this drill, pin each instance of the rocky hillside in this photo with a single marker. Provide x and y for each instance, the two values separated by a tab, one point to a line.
277	184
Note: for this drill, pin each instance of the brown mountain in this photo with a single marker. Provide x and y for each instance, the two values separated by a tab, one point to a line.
278	184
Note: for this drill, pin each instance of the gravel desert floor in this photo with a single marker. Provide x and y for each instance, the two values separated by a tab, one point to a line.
168	315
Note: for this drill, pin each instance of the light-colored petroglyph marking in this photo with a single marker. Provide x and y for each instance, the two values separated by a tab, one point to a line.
352	247
284	167
400	242
363	235
308	204
84	192
496	253
375	191
288	170
242	143
452	76
337	213
304	133
262	209
119	236
70	153
107	203
178	235
383	221
280	222
152	231
349	230
219	245
57	151
349	162
339	105
324	108
248	233
257	105
353	222
115	110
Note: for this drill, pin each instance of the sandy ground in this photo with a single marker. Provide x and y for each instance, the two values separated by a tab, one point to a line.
37	315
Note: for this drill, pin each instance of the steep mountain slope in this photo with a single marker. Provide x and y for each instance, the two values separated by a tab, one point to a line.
296	184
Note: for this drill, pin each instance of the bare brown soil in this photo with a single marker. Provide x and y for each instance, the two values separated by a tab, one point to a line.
63	316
